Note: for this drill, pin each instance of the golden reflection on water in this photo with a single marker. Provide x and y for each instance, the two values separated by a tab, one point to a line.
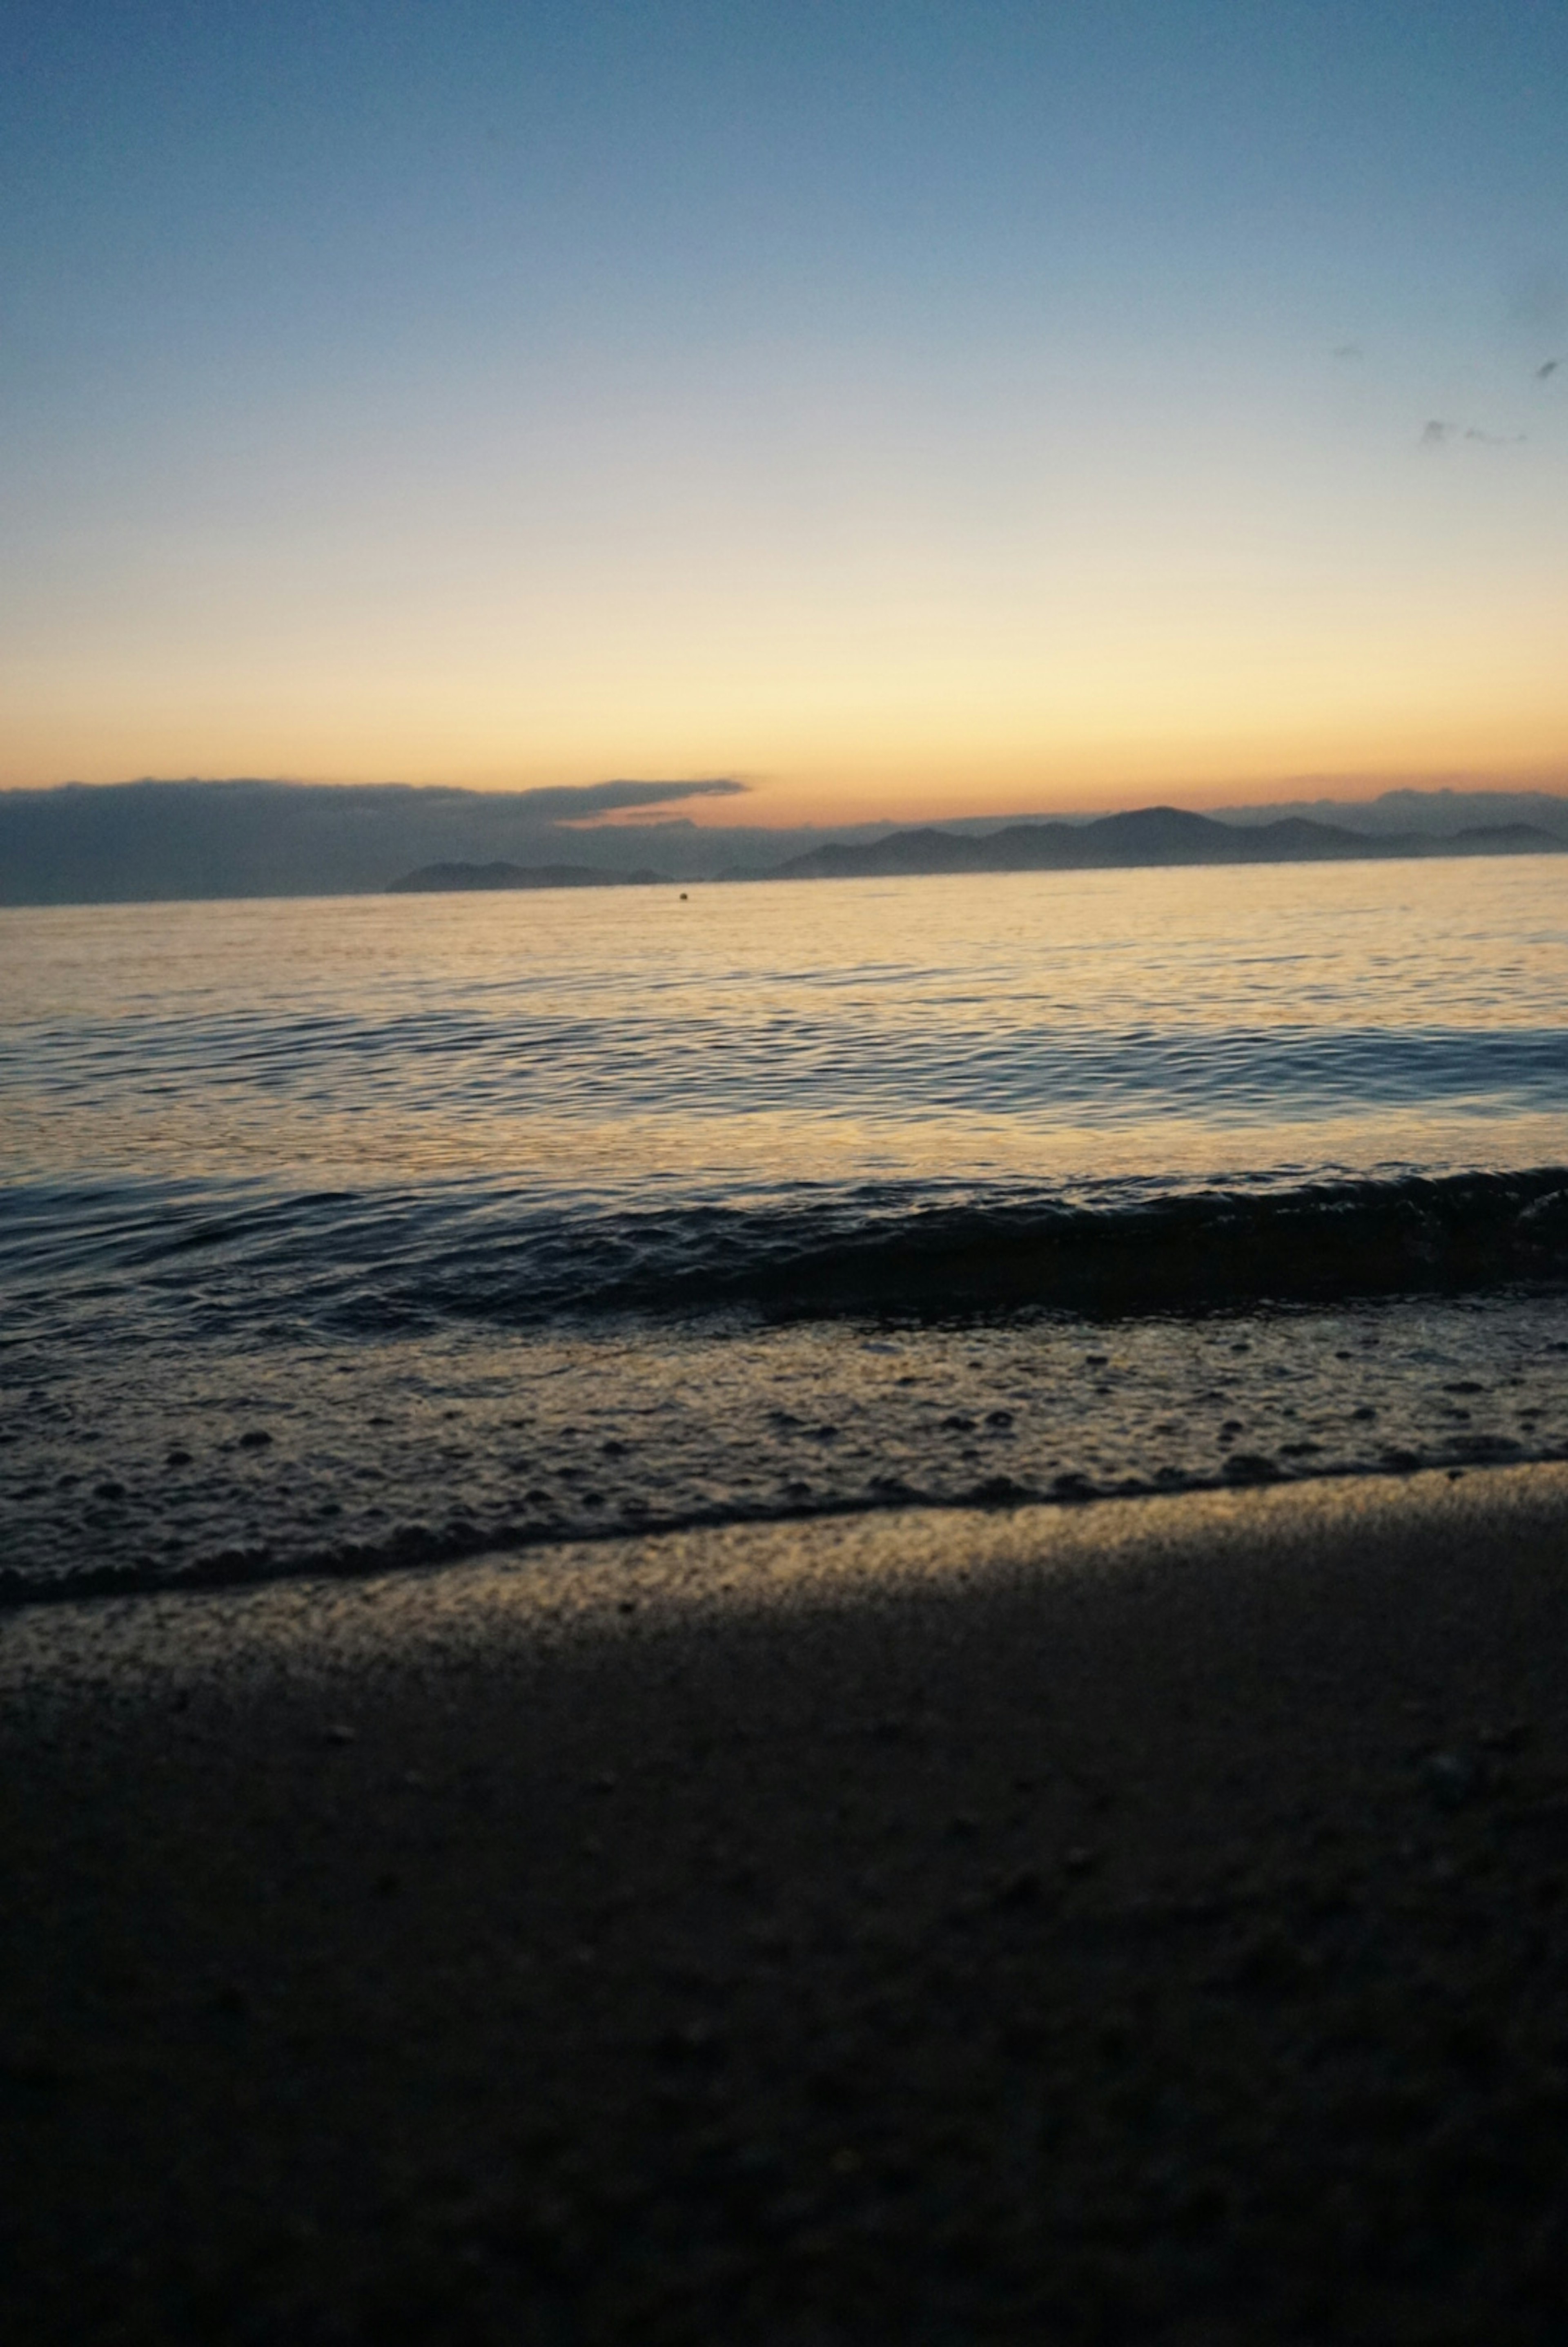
1042	1027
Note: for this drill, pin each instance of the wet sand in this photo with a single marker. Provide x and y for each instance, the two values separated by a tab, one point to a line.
1146	1921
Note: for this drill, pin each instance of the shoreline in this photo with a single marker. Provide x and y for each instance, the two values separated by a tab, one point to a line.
1134	1922
335	1457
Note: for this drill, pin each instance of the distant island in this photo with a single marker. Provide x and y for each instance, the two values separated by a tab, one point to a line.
1144	837
1148	835
430	878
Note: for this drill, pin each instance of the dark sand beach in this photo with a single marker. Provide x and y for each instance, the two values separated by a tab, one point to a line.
1146	1922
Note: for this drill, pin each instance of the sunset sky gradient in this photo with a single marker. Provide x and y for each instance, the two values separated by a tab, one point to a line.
907	409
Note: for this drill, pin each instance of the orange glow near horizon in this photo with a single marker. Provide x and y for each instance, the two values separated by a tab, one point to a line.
1406	622
945	717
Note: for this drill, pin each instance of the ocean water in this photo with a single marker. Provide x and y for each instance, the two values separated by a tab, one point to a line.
340	1233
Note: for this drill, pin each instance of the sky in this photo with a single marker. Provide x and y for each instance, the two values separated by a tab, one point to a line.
902	410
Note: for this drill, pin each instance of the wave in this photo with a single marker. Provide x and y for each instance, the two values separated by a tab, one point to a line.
1319	1243
365	1263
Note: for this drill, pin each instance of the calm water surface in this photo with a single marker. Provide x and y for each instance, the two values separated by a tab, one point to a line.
342	1231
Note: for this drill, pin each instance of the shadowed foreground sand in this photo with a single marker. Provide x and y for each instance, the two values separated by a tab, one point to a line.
1148	1922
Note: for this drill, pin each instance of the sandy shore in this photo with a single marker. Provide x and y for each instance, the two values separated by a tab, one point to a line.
1144	1923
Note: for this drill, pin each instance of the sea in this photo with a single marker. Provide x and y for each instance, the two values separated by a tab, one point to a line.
339	1236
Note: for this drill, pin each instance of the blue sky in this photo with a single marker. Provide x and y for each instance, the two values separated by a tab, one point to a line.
902	407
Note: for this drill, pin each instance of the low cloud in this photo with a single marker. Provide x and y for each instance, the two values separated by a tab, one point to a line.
1440	434
584	801
99	842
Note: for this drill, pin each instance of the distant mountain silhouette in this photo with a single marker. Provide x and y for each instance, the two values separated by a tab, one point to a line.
1148	835
1439	814
123	842
432	879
